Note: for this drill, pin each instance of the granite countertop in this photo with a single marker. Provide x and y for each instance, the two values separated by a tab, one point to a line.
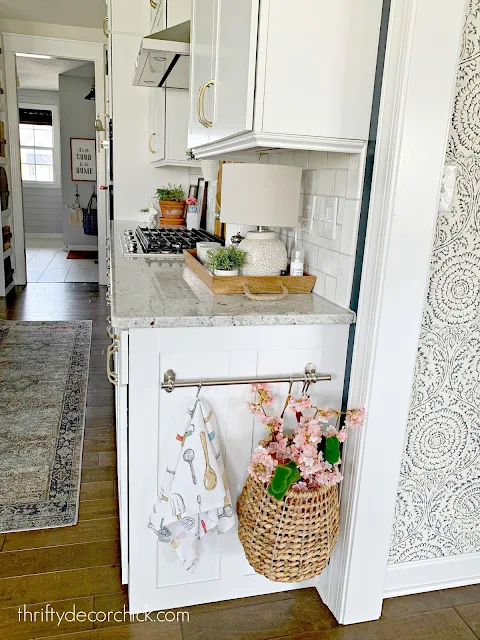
165	293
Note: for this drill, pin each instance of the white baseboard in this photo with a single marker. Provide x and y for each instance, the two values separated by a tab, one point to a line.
44	235
431	575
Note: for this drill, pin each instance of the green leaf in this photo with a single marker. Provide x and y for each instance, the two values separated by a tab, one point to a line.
285	475
332	450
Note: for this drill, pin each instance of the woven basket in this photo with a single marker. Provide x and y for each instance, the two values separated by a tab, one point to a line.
288	540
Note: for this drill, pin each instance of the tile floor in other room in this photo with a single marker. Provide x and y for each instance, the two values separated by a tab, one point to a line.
47	262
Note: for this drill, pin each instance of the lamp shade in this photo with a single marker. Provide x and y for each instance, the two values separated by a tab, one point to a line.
260	194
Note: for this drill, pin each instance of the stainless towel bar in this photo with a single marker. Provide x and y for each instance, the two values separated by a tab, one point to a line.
310	375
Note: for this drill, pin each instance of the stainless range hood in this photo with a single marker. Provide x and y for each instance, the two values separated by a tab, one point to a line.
163	59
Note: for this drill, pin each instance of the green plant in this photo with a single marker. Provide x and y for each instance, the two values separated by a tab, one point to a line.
285	475
190	155
171	193
227	258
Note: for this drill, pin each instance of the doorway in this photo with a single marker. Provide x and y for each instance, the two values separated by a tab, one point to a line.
58	165
56	99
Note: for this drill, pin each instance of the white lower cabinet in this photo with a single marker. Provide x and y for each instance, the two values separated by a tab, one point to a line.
155	576
120	341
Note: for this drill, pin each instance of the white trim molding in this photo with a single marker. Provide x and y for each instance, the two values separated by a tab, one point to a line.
431	575
415	112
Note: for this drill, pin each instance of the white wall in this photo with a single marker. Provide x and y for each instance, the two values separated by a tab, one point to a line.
42	206
77	118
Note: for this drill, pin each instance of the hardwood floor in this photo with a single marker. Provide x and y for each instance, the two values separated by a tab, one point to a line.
78	567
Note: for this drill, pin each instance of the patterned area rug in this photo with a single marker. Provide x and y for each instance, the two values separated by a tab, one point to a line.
43	390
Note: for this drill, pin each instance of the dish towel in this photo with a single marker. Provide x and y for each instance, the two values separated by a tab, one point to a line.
194	496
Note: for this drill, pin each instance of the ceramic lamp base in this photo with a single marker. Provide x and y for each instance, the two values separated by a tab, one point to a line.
266	254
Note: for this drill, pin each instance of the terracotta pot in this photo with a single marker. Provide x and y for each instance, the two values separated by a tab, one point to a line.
172	212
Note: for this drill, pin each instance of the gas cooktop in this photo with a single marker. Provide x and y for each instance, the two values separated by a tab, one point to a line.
162	243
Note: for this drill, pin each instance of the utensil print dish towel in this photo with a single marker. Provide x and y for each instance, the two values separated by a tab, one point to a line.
194	497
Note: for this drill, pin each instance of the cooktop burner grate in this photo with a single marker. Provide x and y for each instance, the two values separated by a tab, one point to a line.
163	242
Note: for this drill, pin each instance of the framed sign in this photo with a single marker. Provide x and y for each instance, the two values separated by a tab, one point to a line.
83	160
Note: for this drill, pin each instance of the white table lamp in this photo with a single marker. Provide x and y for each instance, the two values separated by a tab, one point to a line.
262	195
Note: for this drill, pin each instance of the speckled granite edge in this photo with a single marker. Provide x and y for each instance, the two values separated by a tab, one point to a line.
233	321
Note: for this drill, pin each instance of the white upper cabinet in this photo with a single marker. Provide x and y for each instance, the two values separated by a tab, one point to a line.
202	69
282	75
178	11
167	13
235	61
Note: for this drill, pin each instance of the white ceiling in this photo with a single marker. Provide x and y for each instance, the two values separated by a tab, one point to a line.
38	73
77	13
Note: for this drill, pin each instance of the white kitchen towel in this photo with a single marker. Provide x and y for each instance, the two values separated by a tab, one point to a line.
194	497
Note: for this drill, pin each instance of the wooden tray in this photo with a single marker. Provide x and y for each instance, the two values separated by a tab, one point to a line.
257	284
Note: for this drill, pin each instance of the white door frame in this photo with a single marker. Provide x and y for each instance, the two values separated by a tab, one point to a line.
77	50
415	114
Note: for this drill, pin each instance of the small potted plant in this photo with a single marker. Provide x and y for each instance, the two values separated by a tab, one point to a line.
172	204
226	261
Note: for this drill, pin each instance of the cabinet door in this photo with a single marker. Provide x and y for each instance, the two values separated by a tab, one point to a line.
176	129
156	138
157	580
236	54
204	14
158	16
121	437
178	11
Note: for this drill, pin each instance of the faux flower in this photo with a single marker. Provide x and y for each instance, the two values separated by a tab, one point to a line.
273	423
192	201
254	407
264	392
279	448
262	465
300	486
355	418
298	405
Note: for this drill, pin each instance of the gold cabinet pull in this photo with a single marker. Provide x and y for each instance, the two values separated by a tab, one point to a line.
153	4
199	105
105	22
112	349
206	123
151	149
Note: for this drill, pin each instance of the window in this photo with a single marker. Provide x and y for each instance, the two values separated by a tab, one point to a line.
38	152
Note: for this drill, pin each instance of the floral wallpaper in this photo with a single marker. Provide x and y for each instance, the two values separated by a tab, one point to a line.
438	502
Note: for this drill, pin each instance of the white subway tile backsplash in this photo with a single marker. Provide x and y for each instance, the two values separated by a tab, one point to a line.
351	216
308	182
337	160
286	158
319	287
330	288
344	280
301	158
327	262
325	182
317	160
356	168
311	254
340	210
274	158
334	245
341	183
